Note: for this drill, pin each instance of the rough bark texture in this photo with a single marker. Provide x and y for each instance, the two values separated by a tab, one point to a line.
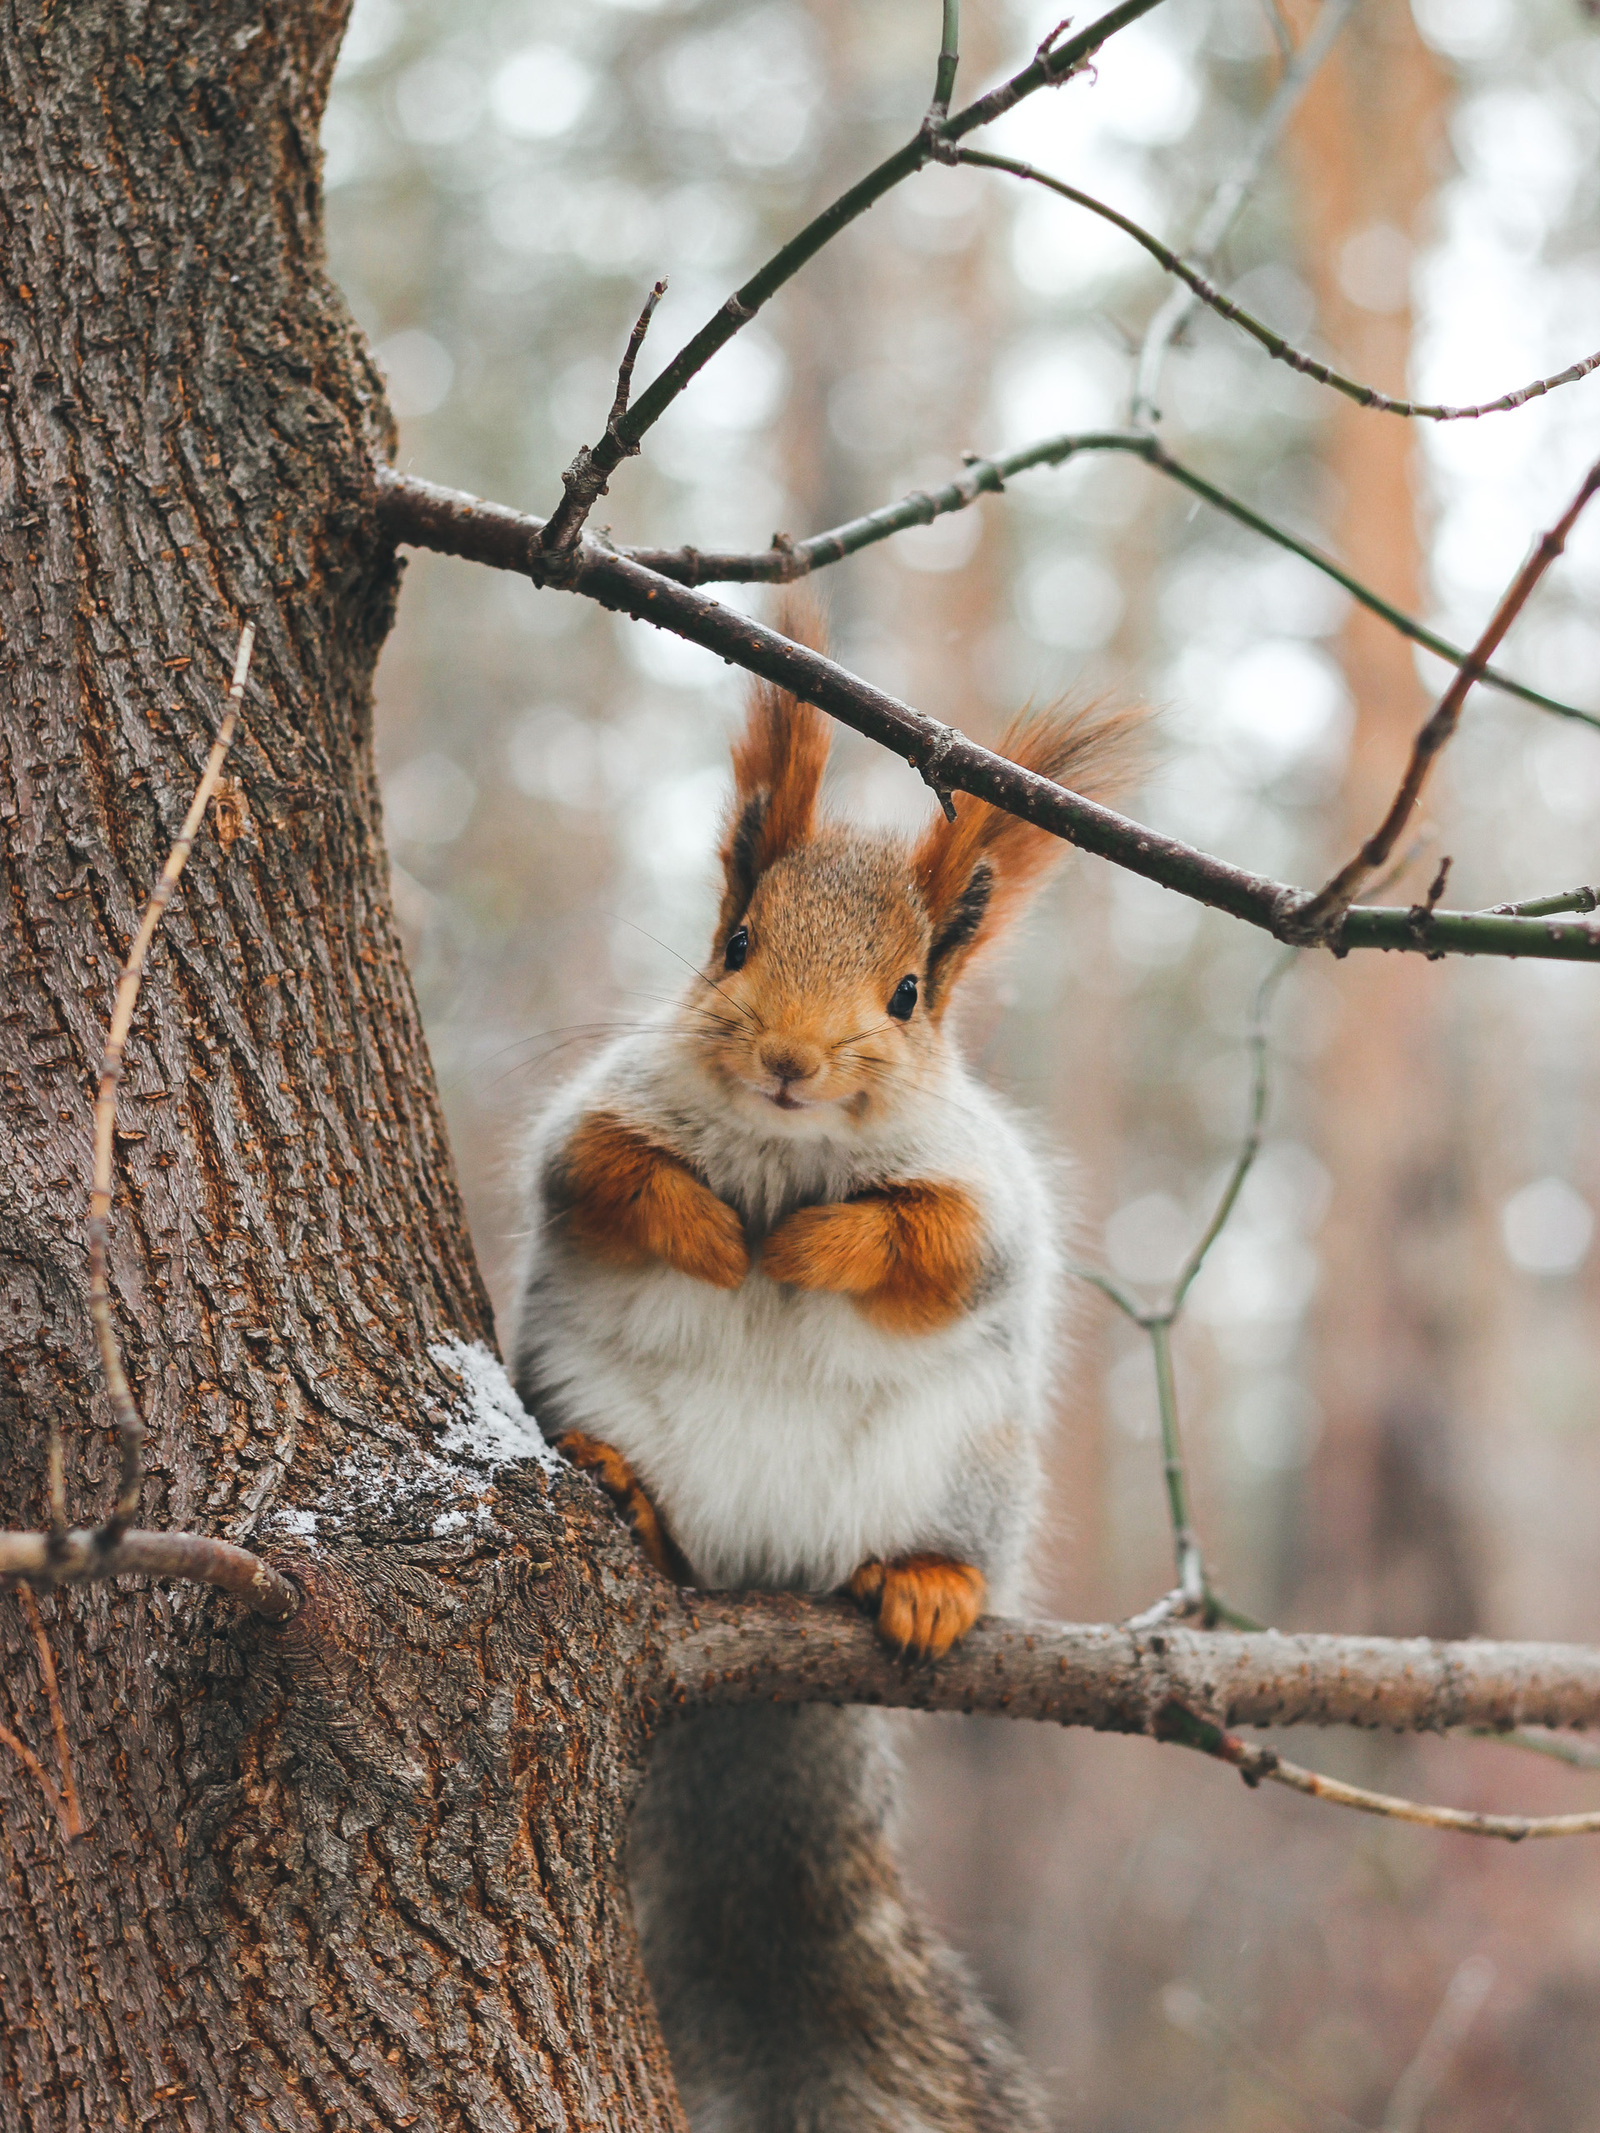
364	1870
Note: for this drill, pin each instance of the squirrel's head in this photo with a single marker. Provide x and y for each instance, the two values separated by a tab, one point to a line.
838	952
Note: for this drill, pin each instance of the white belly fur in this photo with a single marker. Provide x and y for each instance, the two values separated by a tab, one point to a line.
784	1439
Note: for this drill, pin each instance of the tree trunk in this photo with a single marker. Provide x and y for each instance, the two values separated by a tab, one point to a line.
1384	1520
363	1870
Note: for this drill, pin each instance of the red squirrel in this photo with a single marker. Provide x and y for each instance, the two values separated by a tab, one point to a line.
790	1298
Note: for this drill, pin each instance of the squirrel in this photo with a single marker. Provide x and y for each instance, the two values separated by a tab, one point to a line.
789	1296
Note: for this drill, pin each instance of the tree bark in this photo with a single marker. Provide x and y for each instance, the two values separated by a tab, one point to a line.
363	1870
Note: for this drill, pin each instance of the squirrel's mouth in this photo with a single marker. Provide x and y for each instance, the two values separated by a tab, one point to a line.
786	1102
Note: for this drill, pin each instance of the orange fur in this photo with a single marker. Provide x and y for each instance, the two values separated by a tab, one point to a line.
1089	751
923	1603
778	762
627	1200
907	1254
608	1467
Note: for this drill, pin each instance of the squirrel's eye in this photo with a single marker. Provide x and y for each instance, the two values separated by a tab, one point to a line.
739	947
904	998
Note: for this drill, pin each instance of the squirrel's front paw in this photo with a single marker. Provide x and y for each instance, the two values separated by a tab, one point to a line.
841	1246
907	1255
607	1465
923	1603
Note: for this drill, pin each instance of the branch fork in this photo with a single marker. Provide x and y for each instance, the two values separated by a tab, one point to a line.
585	481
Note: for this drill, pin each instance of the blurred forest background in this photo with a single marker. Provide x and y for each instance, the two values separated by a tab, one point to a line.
1390	1371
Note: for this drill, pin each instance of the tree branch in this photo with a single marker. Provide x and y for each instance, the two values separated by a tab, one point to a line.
1050	66
585	480
130	1423
1336	895
72	1818
1232	193
722	1648
60	1557
1184	1686
429	516
1274	343
788	559
944	80
191	1558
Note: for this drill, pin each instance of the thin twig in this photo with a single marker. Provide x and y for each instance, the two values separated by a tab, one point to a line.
130	1423
584	482
944	81
189	1558
1548	906
1576	1754
429	516
1250	1147
1185	1544
1333	900
1234	190
72	1820
1194	1594
787	559
1274	343
1046	70
1186	1727
31	1762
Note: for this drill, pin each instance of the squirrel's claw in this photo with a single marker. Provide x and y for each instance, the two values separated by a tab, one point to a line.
607	1466
923	1603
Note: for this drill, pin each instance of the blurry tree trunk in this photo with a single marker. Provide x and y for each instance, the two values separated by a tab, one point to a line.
1382	1510
362	1871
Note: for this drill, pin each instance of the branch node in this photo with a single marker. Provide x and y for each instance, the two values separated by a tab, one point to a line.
929	765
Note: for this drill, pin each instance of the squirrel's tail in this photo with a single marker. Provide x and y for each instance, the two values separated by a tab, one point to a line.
798	1990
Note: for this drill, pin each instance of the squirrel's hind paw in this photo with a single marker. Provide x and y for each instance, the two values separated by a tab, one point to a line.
607	1466
923	1603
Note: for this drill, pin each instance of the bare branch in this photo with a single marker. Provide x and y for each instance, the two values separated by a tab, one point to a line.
1576	1754
788	559
1274	343
944	81
31	1763
1258	1765
130	1423
1234	189
1548	906
722	1648
1183	1686
1047	69
429	516
585	480
190	1558
72	1818
1335	897
1194	1595
111	1550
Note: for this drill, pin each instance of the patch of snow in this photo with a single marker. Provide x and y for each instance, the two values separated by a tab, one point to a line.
449	1522
302	1523
492	1427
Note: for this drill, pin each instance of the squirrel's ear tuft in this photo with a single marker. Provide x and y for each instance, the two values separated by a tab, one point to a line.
778	763
976	873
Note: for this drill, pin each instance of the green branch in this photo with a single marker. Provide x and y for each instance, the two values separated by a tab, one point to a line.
788	560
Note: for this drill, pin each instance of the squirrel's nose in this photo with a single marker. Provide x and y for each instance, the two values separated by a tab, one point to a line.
787	1061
